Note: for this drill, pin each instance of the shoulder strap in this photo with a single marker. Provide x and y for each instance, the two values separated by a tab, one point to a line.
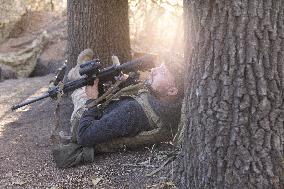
153	118
130	91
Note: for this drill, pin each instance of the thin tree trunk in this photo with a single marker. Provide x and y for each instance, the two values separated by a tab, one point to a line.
234	106
101	25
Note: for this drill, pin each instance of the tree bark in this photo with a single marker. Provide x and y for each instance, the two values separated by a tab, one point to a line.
101	25
234	111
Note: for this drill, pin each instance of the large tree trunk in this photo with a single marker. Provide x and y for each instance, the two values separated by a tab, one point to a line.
101	25
234	106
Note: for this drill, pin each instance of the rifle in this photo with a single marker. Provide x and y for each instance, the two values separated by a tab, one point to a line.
90	71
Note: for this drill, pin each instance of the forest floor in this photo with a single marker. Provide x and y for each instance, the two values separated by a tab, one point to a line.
25	145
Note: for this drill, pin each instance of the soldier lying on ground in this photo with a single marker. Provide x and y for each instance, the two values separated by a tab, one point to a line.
143	114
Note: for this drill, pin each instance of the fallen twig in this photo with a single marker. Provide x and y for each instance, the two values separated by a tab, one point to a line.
137	165
161	167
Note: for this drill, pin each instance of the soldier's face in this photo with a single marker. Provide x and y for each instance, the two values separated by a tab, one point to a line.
162	81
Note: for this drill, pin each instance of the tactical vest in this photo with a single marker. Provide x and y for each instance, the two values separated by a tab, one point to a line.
158	133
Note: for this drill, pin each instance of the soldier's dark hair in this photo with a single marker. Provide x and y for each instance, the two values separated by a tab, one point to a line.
175	65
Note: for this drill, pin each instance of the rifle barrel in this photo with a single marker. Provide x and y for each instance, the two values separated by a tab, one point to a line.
143	63
29	101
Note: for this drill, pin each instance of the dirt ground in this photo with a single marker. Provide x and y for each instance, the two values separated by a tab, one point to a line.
25	149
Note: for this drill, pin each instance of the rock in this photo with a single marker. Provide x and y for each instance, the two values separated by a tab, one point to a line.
6	72
46	5
40	69
24	61
11	13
